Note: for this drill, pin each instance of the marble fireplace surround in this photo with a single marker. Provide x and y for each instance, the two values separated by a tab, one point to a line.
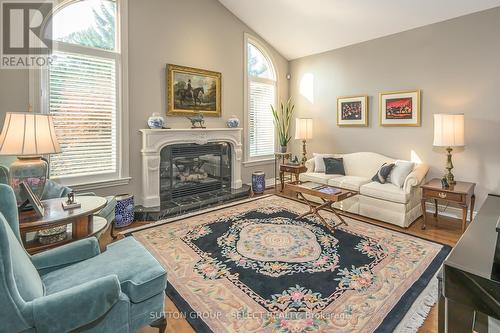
153	140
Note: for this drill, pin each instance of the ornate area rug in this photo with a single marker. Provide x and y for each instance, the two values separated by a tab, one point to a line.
254	267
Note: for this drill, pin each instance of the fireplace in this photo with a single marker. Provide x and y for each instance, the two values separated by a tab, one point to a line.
191	169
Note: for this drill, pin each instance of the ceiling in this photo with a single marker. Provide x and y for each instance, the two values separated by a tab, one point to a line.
298	28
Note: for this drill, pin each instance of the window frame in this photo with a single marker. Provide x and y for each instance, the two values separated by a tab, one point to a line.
249	39
39	98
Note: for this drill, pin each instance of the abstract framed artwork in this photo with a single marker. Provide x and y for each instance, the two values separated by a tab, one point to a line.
352	111
400	108
192	91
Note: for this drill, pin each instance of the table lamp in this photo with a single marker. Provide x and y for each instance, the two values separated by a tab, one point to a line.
449	132
28	136
303	131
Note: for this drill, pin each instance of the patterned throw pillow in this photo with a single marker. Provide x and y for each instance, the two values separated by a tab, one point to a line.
334	166
383	173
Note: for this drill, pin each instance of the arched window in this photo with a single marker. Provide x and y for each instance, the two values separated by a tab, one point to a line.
260	95
82	90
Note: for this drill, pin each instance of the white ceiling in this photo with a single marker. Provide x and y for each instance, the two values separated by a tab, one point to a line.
297	28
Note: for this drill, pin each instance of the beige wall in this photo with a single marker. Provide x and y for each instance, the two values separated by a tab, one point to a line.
202	34
195	33
455	63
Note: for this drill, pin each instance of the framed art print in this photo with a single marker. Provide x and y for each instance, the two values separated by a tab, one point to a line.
192	91
400	108
352	111
33	199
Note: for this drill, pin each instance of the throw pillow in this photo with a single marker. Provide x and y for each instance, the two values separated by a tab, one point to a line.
400	171
319	164
383	173
334	166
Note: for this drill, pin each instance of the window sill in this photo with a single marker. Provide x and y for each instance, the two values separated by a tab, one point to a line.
99	184
258	162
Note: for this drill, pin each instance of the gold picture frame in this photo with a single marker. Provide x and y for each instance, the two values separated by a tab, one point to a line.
352	111
400	108
192	90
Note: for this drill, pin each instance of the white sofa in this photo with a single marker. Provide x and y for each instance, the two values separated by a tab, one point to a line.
384	202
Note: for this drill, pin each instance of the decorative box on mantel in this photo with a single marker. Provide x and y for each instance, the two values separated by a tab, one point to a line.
153	140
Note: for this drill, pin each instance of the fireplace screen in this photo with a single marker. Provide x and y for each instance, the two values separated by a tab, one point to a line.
190	169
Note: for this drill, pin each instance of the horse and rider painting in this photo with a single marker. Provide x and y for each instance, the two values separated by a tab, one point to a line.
193	91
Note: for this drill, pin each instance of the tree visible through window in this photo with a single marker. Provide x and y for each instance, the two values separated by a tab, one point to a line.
261	95
82	89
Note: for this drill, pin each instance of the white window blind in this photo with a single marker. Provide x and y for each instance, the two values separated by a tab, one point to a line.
82	100
261	94
261	127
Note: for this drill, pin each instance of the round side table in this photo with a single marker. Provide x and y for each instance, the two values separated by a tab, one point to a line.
83	223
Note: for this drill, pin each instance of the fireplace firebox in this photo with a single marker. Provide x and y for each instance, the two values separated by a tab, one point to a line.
187	170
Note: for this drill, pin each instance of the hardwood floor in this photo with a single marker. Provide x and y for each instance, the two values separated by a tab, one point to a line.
446	231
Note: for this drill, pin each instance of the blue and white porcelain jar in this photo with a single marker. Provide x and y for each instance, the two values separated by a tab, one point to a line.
156	121
258	182
124	211
233	122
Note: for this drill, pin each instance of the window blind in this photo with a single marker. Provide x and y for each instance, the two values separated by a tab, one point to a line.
82	101
261	126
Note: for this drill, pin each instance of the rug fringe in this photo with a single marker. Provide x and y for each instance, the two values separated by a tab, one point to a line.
420	309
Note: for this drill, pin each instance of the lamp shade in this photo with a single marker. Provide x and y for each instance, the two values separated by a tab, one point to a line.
28	134
449	130
303	128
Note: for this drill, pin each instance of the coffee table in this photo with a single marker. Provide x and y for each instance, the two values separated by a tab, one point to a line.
328	194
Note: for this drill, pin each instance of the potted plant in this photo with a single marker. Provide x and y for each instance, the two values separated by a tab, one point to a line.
282	119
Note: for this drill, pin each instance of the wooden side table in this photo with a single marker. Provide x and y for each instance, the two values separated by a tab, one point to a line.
461	193
83	223
293	170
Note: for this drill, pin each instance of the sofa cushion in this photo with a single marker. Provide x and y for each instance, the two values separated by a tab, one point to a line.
387	191
383	173
334	166
400	171
140	275
317	177
349	182
319	163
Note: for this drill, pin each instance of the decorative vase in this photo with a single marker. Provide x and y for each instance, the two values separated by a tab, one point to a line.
283	149
124	211
233	122
258	182
156	121
33	171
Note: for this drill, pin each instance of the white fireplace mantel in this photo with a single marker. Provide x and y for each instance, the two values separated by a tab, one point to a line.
153	140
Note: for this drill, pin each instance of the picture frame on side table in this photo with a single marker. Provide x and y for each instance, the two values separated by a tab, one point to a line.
400	108
191	91
33	199
352	111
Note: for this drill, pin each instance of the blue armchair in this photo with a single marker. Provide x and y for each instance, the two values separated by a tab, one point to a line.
75	287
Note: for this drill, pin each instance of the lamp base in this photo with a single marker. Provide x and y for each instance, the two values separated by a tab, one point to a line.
304	152
449	166
33	171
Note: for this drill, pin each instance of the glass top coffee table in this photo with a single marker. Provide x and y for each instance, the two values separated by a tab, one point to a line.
326	193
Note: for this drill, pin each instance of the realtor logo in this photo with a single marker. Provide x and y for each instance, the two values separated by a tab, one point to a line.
26	33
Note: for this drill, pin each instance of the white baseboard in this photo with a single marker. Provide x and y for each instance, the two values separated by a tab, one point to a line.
448	211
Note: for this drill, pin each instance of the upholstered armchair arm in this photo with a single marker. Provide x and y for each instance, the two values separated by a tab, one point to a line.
310	165
75	307
415	177
65	255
